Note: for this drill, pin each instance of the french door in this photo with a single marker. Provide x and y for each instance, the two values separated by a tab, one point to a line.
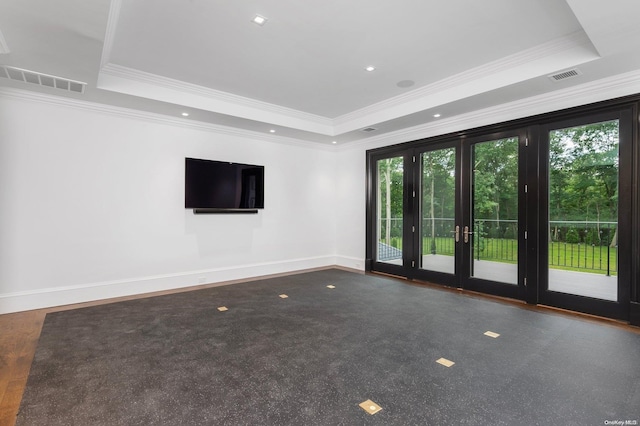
453	213
436	223
494	208
542	213
585	221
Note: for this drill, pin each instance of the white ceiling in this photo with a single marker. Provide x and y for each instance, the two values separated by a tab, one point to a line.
303	72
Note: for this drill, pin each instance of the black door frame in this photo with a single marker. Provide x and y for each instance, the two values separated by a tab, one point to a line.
412	241
630	277
451	280
619	309
371	264
513	291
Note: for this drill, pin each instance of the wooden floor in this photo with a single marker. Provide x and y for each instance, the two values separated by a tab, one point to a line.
19	334
18	341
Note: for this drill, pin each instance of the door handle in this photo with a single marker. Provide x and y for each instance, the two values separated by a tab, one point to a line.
457	233
466	234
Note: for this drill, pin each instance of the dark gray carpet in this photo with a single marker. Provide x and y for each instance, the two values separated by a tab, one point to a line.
312	358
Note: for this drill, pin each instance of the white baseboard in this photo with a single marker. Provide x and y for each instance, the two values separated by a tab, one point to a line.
59	296
350	262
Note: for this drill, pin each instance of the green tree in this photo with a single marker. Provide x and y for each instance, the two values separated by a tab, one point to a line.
572	236
390	193
583	174
495	183
438	191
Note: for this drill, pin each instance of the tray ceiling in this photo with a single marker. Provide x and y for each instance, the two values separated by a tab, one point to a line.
302	73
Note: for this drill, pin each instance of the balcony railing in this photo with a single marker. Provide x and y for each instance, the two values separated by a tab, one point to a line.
587	246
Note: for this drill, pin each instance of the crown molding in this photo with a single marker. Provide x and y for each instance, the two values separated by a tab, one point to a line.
110	33
4	48
139	83
145	77
600	90
126	80
83	105
561	53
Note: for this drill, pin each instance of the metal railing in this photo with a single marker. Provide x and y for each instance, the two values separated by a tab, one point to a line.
587	245
438	236
573	245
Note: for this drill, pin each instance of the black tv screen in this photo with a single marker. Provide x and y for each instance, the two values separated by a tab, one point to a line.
223	185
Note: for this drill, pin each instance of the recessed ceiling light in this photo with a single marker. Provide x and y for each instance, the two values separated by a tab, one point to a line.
258	19
436	115
185	114
334	142
272	131
370	68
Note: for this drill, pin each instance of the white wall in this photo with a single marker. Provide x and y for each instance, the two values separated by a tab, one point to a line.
92	206
351	206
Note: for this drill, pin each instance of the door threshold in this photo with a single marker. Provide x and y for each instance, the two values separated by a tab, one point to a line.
590	317
520	303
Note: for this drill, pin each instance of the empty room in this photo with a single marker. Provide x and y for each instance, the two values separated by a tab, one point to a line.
319	213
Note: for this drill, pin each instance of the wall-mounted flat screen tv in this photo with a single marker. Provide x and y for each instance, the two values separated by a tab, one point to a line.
221	185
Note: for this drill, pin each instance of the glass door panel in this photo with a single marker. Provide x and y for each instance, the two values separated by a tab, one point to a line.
390	208
437	243
540	213
493	240
583	210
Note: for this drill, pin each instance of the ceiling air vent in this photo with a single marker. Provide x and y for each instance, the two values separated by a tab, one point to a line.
33	77
565	74
369	129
